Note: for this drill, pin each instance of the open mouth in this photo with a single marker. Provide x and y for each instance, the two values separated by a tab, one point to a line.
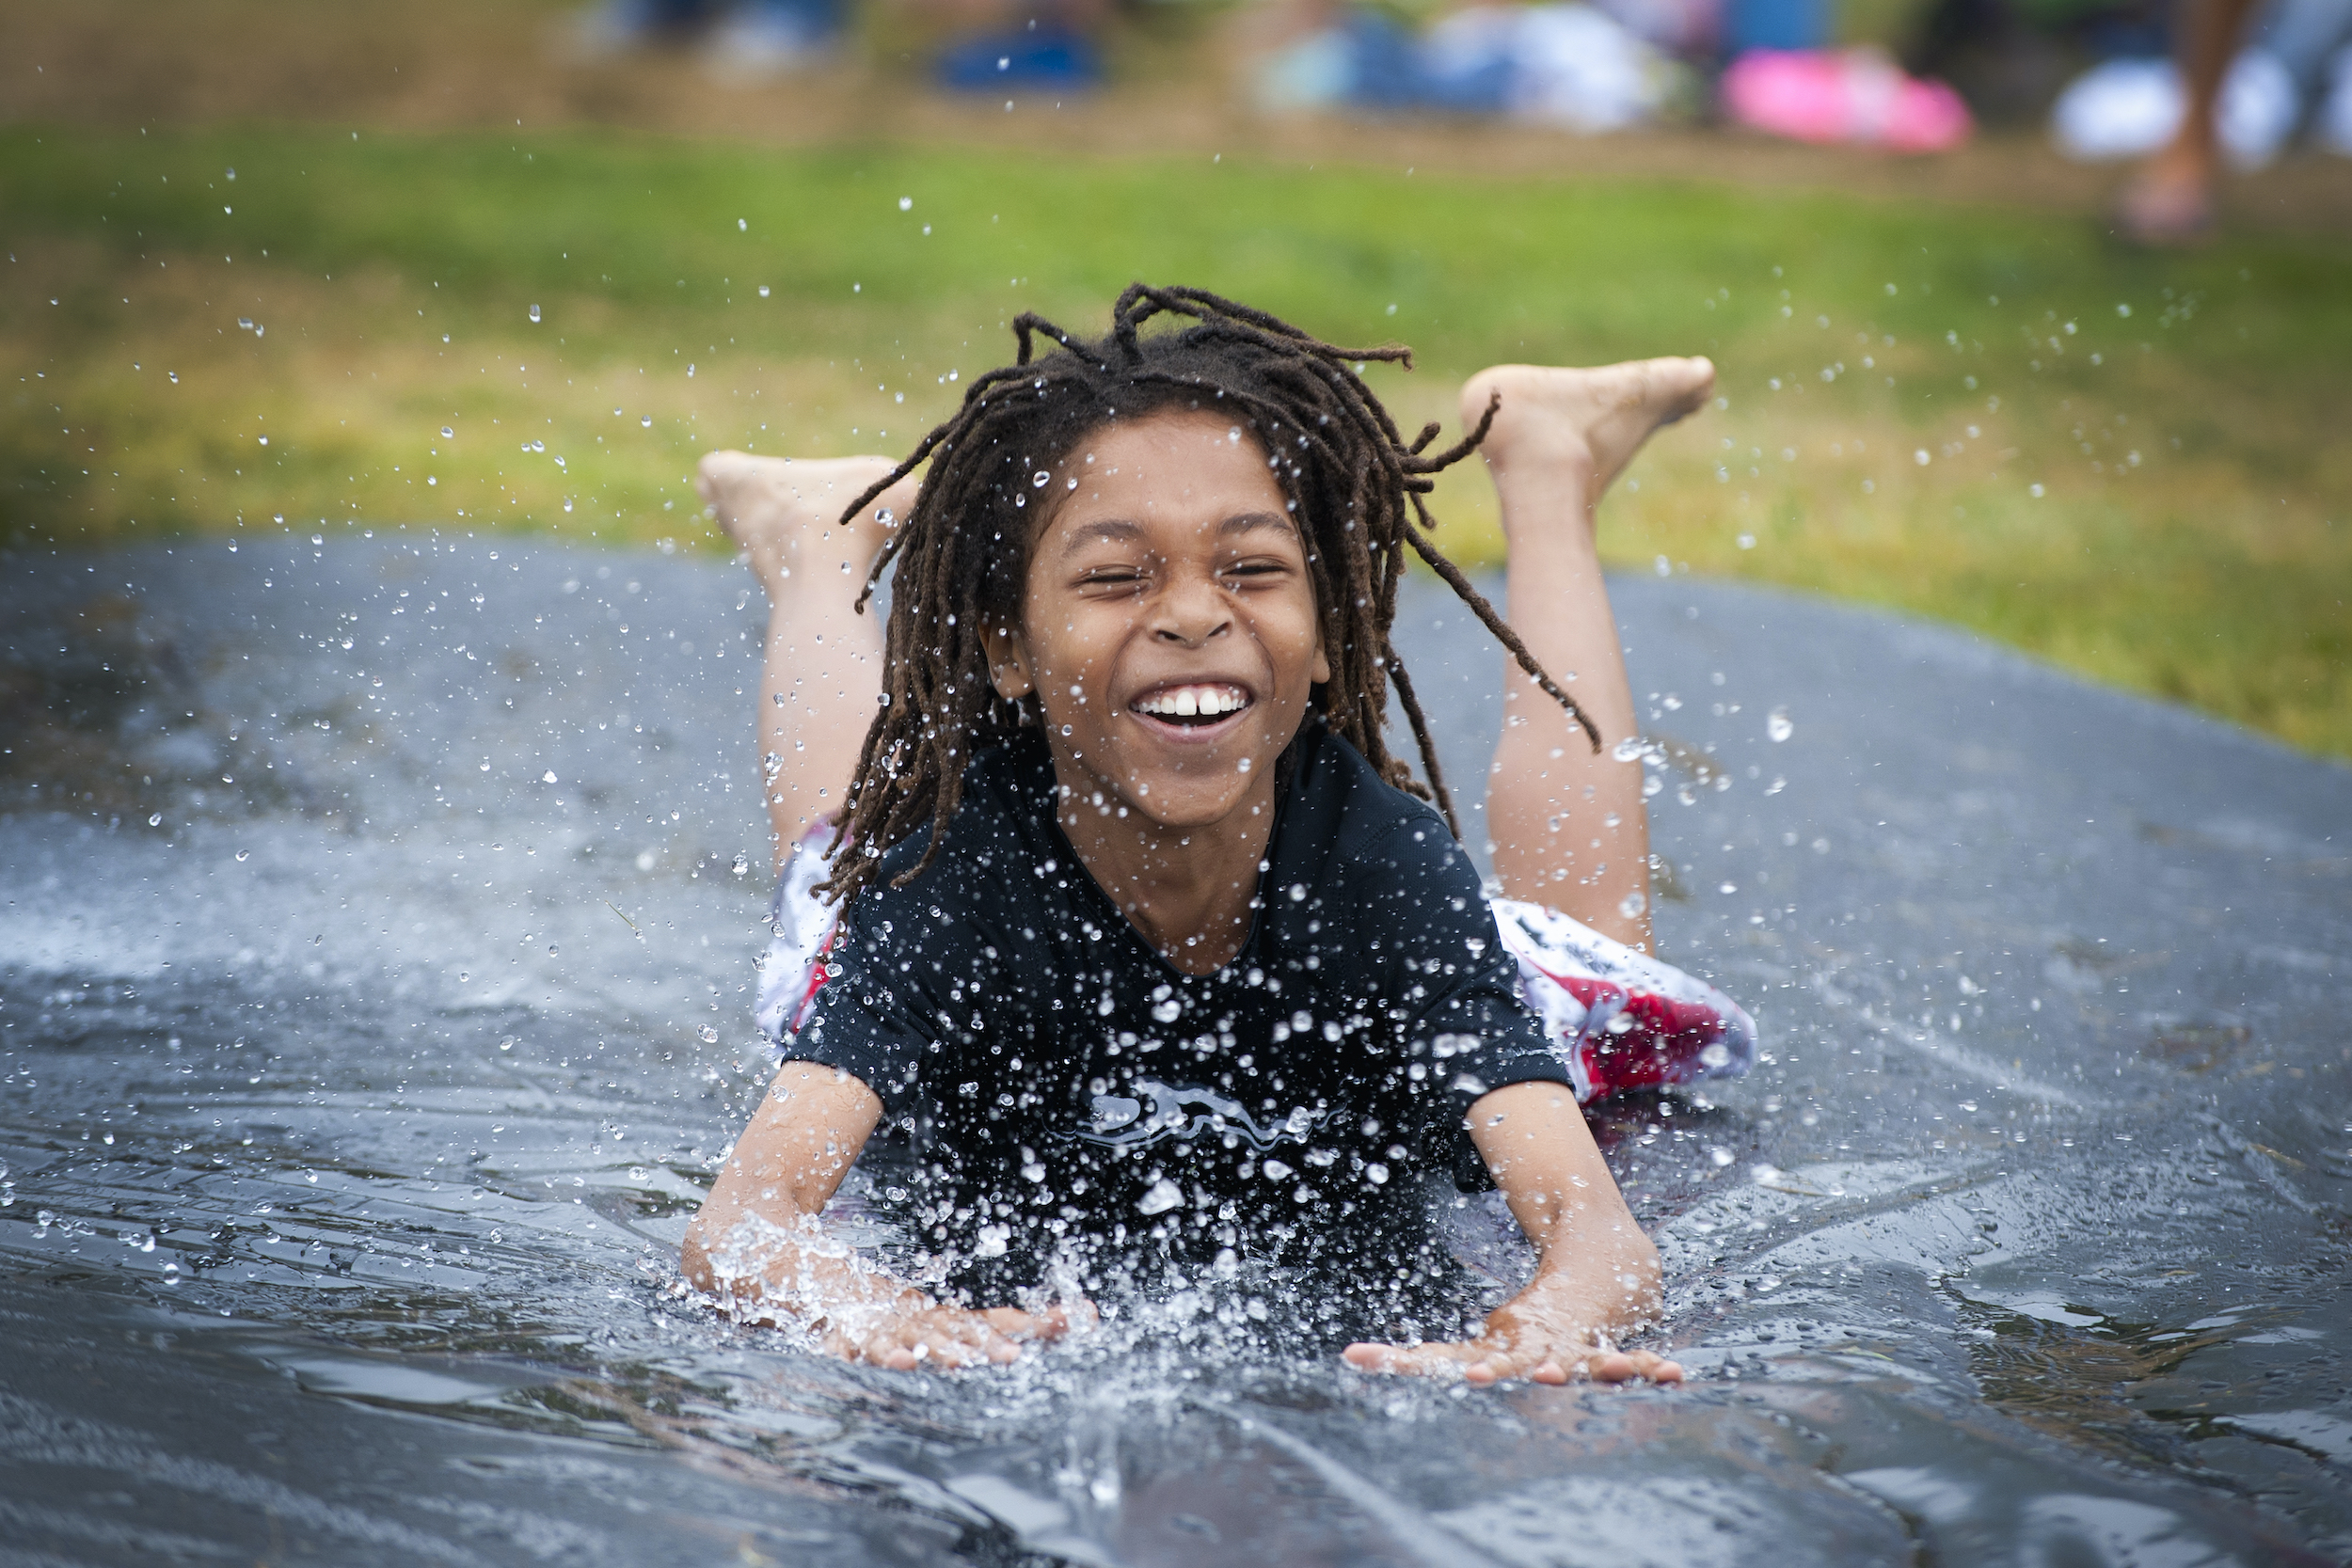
1196	706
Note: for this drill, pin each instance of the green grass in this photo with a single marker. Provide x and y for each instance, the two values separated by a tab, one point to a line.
2190	538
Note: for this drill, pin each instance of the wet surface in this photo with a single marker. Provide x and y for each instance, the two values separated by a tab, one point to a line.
370	1015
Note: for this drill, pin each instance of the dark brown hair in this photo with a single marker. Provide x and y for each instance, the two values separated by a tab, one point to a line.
1354	485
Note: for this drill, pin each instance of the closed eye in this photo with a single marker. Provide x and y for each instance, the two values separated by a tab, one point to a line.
1259	568
1109	578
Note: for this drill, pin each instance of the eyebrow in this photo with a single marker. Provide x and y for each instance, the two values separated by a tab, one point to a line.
1120	529
1108	527
1247	522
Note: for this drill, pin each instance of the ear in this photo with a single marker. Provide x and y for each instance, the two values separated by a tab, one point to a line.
1007	662
1323	664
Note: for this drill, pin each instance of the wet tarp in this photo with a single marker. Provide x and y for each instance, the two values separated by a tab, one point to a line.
377	920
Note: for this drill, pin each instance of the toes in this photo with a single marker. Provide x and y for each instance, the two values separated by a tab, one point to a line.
1550	1372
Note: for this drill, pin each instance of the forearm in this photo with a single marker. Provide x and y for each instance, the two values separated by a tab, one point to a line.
1592	1260
757	1240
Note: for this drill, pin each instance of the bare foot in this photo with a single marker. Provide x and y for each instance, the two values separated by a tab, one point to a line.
1594	418
787	513
2169	201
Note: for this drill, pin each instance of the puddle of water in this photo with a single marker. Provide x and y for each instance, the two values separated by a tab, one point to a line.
358	1081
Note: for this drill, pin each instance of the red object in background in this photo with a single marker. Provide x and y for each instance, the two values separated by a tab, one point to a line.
1855	95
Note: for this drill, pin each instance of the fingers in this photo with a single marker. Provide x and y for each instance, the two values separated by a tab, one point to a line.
1054	1323
1484	1362
904	1339
915	1334
1446	1359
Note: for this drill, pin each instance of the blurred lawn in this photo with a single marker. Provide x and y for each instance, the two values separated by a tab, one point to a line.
2136	465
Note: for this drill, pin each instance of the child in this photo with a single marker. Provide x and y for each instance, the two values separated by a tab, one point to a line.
1100	884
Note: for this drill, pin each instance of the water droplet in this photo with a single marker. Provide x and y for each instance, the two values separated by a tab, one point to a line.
507	1044
447	431
742	225
241	853
156	820
1717	1056
1633	904
547	777
1719	1158
905	202
646	422
743	865
318	539
1777	726
763	291
1164	1195
535	313
707	1034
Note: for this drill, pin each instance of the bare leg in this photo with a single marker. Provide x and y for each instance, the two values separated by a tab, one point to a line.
1569	827
2170	198
824	663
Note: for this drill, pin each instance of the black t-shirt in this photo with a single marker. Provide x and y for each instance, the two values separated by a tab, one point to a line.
1071	1095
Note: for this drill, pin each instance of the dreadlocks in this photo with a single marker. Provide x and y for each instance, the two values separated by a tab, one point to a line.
1354	485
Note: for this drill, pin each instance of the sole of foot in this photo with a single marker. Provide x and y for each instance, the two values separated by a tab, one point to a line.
786	511
1596	418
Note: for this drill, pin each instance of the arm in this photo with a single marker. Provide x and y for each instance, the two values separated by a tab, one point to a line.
758	1245
1596	1275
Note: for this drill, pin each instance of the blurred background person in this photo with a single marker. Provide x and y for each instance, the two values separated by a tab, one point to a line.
742	37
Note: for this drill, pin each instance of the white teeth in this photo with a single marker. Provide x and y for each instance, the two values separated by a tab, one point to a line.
1188	701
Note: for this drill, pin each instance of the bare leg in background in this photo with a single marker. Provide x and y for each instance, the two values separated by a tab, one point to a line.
1569	827
2170	198
822	669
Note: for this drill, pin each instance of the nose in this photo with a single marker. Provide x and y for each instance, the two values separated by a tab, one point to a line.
1190	611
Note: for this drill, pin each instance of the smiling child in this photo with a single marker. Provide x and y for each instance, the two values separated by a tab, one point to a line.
1100	886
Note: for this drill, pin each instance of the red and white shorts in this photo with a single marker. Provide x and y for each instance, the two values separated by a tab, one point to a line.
1619	1019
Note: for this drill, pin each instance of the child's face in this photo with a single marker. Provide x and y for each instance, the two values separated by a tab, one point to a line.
1169	629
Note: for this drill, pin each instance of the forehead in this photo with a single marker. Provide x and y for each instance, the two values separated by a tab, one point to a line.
1181	468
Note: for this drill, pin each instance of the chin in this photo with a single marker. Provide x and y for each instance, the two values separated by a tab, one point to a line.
1181	808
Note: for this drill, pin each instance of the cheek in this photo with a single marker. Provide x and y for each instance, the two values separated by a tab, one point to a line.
1294	637
1073	644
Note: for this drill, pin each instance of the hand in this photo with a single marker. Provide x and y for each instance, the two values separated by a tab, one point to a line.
1541	1335
913	1329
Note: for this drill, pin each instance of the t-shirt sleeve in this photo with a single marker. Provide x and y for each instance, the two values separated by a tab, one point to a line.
867	1018
1420	900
